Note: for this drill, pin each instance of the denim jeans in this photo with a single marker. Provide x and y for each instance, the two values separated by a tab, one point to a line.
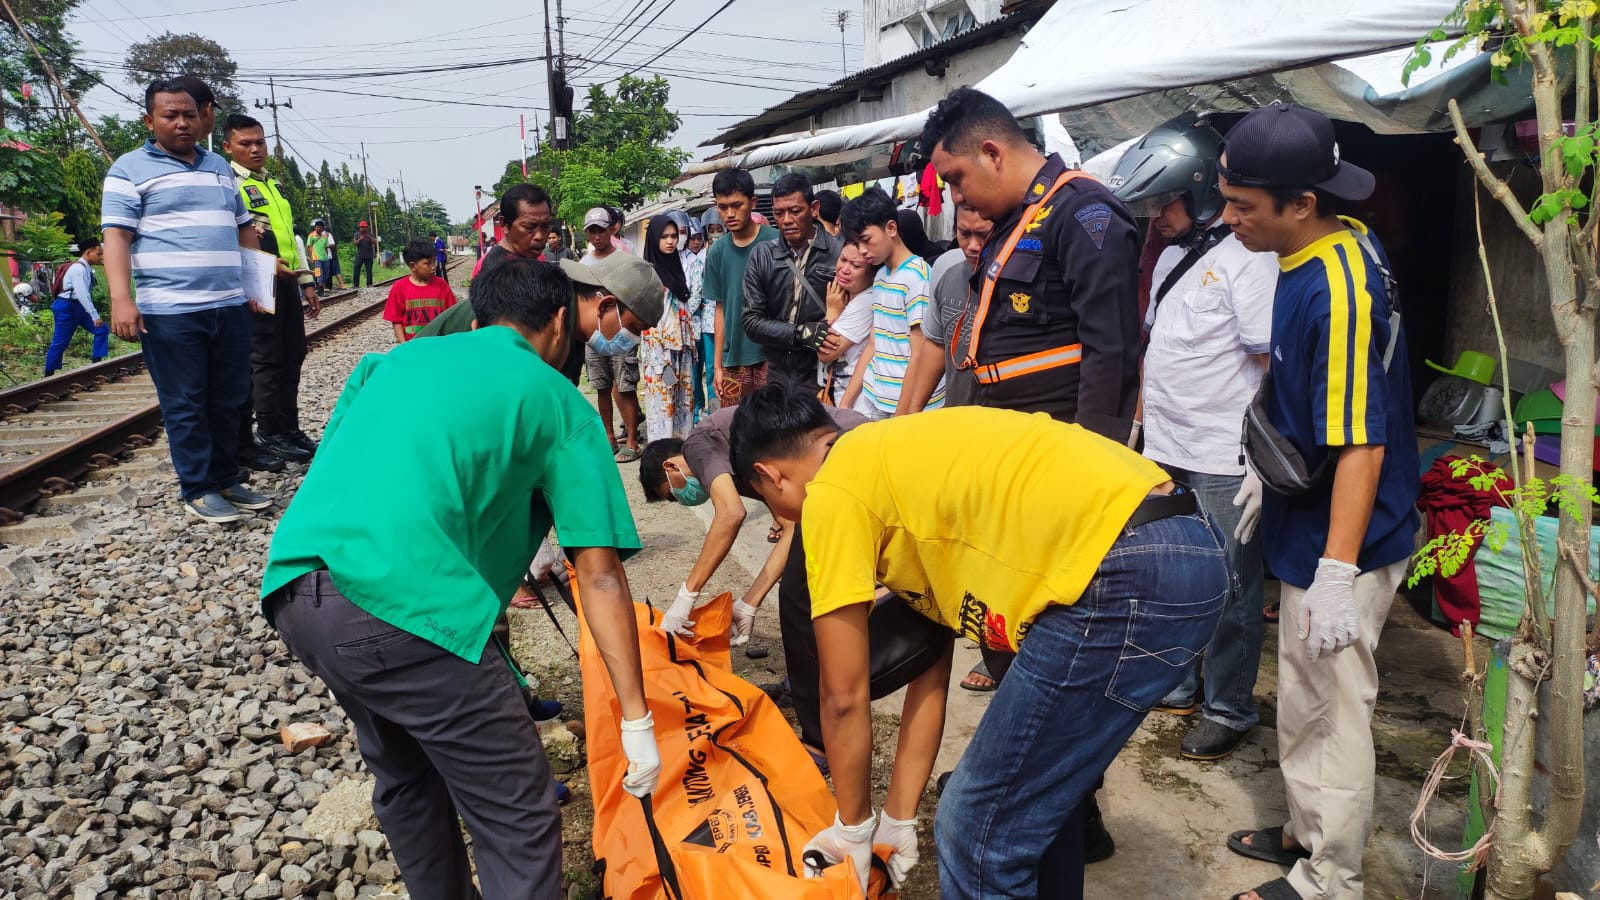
1234	656
70	316
1084	679
363	264
200	363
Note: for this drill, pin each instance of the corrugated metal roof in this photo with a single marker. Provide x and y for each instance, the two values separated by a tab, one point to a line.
803	104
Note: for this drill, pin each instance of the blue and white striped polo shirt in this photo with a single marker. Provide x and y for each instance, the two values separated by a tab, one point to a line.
185	221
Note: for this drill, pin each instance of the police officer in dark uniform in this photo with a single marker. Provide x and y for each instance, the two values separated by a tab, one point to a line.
278	347
1051	324
1053	315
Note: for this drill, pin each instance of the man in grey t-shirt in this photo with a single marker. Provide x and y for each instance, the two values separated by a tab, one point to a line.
950	286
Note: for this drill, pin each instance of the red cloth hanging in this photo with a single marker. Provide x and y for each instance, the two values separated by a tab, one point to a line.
930	193
1450	504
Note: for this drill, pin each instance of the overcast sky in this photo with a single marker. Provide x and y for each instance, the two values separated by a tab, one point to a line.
750	56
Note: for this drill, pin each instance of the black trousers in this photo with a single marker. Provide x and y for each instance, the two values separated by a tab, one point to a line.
902	642
800	642
363	264
443	737
277	351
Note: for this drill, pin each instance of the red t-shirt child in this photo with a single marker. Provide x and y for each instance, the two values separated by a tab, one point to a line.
412	306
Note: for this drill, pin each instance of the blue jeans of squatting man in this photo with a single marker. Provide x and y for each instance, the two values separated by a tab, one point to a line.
1234	656
1086	675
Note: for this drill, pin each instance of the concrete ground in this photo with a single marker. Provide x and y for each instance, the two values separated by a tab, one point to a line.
1171	817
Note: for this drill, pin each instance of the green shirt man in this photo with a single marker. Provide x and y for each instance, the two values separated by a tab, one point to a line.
407	539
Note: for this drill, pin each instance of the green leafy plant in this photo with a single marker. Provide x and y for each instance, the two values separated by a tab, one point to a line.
40	238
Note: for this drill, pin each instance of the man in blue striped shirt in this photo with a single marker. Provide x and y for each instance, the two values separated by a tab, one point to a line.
174	223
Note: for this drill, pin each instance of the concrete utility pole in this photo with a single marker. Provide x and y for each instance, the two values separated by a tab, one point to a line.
550	76
404	203
366	186
288	103
842	19
561	37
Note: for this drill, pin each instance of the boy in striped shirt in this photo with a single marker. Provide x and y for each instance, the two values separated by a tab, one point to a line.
174	223
899	303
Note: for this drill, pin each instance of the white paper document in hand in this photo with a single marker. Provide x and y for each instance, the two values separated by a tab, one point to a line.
258	270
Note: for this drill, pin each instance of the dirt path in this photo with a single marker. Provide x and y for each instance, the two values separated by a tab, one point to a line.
1170	817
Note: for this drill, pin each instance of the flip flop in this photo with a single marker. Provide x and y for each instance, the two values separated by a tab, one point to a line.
1270	614
982	671
1276	889
627	455
1266	845
774	534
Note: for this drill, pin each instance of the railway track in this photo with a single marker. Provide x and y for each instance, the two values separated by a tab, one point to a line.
55	431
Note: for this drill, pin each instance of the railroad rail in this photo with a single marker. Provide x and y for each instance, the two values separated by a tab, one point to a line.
25	397
59	469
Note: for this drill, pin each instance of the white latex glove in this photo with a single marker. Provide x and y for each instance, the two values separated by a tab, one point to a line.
744	622
644	760
902	836
677	621
547	560
1249	502
1328	620
839	842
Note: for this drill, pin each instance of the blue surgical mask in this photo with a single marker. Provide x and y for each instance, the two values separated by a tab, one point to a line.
693	493
620	344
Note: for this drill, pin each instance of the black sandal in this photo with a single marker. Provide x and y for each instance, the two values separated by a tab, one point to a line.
1266	845
1276	889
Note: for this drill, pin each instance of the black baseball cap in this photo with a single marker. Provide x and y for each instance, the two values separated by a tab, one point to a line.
1286	145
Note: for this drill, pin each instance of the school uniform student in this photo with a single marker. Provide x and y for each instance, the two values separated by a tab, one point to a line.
73	308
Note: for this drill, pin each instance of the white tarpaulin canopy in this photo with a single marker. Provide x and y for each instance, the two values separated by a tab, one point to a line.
1095	51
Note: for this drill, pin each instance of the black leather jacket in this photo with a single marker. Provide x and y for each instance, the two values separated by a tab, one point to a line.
772	316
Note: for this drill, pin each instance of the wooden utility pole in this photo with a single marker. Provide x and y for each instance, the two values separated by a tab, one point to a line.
50	71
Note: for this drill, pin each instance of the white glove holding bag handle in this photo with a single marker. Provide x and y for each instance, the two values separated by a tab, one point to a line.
901	835
644	759
839	842
1249	501
676	620
1328	619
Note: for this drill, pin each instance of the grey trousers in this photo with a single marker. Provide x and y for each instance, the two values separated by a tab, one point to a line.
443	737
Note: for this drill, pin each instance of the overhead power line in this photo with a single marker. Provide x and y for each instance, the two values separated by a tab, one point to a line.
339	74
198	12
617	31
670	47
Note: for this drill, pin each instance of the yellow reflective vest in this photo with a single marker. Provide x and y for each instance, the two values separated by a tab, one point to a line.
271	211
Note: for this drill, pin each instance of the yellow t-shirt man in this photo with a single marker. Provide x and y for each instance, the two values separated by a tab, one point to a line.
980	518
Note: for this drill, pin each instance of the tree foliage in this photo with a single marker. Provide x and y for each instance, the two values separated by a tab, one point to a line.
170	55
43	113
619	157
30	177
82	174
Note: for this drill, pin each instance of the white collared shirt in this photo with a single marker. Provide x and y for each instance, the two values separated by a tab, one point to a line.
1199	369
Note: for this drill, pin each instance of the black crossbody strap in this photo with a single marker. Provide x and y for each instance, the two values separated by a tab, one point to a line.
1200	248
